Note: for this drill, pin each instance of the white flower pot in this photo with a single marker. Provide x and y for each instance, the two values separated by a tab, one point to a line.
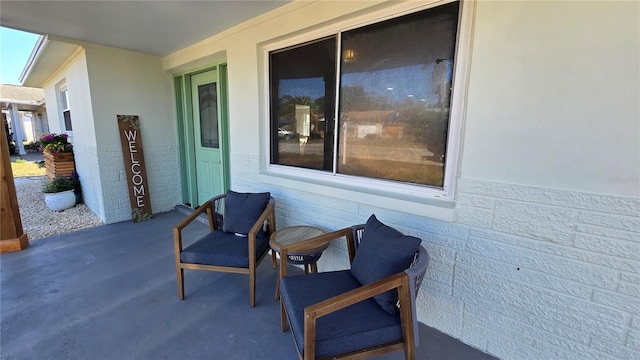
60	201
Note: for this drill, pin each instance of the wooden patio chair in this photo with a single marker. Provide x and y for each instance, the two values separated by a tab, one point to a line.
364	311
239	224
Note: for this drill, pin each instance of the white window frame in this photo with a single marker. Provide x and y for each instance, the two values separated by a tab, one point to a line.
379	190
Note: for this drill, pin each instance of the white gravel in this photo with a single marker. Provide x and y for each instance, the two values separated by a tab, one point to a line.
38	221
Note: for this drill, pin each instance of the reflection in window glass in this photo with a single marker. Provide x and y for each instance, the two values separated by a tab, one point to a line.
208	97
302	92
395	97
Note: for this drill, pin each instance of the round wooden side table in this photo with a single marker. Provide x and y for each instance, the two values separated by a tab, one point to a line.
283	238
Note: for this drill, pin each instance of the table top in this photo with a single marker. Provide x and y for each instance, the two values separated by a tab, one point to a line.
295	234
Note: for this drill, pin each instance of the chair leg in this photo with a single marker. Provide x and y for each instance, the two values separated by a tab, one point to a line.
180	278
282	272
283	317
277	295
252	288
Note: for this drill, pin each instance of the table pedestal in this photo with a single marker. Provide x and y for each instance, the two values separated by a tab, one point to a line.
283	238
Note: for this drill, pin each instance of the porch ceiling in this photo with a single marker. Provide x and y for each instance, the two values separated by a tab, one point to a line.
158	27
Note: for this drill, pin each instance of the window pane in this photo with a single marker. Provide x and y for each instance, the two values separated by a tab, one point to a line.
208	101
395	97
64	97
67	120
302	105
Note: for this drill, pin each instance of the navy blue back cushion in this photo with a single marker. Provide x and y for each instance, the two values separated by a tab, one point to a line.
383	251
242	210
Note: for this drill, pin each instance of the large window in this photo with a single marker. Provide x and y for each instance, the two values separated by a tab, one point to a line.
389	87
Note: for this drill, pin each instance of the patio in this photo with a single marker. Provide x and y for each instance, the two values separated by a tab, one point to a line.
110	292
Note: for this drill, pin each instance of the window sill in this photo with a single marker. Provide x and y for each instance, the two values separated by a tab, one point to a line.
427	204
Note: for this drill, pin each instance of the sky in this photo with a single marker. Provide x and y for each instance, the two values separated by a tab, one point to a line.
15	48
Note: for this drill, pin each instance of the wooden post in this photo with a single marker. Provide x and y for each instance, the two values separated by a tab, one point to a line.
131	141
12	237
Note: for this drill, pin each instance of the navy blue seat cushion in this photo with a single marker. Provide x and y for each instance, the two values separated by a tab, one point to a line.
242	210
223	249
355	327
383	251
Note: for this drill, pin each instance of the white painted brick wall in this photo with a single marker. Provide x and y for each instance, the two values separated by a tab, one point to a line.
523	272
111	200
89	173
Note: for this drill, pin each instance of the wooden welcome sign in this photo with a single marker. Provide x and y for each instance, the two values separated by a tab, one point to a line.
131	140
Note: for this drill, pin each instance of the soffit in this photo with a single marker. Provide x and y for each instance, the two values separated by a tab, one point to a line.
153	27
50	57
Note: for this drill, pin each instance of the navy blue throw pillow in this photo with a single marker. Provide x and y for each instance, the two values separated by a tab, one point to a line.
242	210
383	251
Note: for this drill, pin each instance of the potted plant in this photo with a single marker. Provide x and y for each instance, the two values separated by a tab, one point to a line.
58	155
55	143
59	193
77	189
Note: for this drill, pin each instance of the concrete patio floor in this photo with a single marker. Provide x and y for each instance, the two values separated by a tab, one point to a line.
110	292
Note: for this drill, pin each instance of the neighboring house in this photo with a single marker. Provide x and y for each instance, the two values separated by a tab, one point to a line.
532	217
24	113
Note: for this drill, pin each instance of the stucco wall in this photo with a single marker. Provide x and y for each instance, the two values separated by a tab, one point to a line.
104	82
128	83
74	75
553	96
542	260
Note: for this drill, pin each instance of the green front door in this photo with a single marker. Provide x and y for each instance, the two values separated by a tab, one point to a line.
208	140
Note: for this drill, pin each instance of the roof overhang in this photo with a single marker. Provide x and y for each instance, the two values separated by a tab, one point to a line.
21	97
49	54
22	106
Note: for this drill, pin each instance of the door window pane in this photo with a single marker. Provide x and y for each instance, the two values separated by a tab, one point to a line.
302	105
208	102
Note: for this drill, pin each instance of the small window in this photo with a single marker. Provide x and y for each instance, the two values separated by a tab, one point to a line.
389	89
66	112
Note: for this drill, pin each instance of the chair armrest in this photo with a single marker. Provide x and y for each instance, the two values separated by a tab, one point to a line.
269	213
398	281
189	219
208	206
356	295
177	230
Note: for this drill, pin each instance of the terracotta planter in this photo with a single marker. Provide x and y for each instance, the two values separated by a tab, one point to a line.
60	164
60	201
